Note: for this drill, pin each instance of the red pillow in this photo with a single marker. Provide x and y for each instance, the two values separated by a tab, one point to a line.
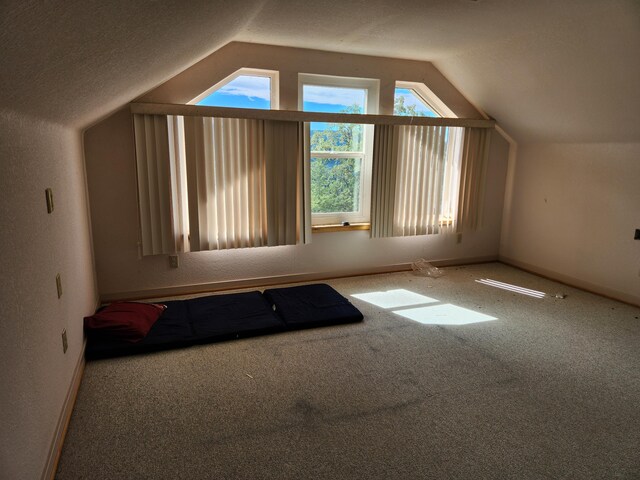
127	321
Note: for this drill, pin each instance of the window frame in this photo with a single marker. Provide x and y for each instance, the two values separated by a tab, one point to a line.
426	95
273	75
372	98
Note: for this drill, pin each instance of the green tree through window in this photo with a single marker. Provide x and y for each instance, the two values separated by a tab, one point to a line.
404	108
334	186
335	181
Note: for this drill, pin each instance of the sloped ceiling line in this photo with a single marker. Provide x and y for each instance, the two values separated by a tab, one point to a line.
548	71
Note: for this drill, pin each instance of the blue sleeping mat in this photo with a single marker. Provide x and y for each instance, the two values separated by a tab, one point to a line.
234	315
196	321
312	306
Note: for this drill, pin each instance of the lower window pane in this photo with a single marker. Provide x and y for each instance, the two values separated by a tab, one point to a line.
335	185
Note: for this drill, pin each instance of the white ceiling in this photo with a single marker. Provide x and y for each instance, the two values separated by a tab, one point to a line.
547	70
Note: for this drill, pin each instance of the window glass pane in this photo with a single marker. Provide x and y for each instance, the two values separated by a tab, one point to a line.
336	137
406	102
244	91
318	98
335	180
335	185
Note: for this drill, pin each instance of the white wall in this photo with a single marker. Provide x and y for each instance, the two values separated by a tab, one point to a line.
122	273
290	61
35	374
109	153
573	214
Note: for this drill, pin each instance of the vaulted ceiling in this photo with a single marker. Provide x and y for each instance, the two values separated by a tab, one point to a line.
547	70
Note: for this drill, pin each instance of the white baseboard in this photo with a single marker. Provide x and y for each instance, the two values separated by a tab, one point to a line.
573	282
65	416
280	279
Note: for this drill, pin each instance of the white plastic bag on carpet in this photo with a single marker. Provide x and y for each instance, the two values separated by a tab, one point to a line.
425	269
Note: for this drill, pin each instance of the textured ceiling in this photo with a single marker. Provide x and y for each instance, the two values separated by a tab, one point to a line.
564	71
73	61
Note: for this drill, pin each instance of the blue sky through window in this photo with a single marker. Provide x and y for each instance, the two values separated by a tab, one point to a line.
331	100
411	100
244	91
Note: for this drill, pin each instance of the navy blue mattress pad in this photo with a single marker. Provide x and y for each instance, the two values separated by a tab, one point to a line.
235	315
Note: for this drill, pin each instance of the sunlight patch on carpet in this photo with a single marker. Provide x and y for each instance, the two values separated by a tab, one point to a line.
445	314
394	298
512	288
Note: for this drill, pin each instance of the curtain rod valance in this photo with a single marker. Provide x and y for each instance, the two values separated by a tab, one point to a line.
297	116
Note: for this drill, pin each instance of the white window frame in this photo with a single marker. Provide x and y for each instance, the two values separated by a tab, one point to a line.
274	75
426	95
372	92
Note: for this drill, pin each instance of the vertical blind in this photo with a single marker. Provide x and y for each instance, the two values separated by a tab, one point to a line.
473	171
215	183
426	180
208	183
159	190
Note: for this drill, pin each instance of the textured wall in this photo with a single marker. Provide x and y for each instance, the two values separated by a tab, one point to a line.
291	61
34	373
109	154
574	211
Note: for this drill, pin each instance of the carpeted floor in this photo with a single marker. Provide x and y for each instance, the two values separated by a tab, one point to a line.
550	389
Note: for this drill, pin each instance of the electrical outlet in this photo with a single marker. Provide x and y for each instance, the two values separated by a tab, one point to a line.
65	344
49	196
59	285
173	261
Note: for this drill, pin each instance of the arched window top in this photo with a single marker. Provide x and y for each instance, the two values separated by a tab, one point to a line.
244	88
416	99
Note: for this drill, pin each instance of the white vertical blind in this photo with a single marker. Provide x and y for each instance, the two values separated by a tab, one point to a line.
285	187
215	183
383	180
226	182
421	166
410	169
178	176
451	186
209	183
475	156
160	184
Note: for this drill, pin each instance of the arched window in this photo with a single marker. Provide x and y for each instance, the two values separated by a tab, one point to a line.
245	88
417	100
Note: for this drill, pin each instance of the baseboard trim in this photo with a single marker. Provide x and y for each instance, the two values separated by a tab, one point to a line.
572	282
281	279
65	416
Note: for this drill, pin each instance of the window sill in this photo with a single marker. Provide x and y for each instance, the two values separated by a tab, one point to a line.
340	228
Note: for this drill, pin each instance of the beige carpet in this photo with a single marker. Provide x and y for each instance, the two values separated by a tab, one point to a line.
550	389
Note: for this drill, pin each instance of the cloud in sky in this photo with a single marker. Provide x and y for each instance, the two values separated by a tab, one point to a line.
248	86
334	95
256	87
